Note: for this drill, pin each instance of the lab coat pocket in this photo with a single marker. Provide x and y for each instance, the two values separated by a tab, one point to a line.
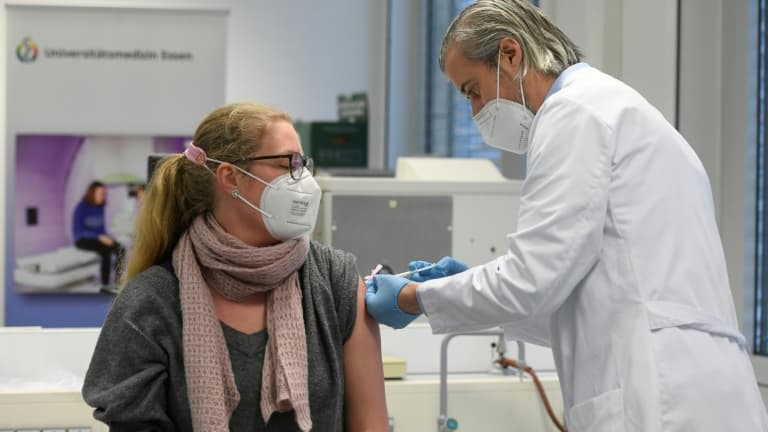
604	413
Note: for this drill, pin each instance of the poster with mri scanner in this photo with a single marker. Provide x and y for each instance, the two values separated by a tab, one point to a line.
91	92
53	173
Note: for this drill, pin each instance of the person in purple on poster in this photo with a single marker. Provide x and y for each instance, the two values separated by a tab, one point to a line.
89	230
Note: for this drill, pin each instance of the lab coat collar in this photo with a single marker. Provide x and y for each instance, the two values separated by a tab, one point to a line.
564	76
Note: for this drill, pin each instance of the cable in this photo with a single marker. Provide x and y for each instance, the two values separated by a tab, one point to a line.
506	362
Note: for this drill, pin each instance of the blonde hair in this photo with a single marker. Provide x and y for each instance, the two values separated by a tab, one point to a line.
179	190
477	30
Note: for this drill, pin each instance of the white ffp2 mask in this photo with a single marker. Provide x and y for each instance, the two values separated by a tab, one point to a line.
505	124
289	207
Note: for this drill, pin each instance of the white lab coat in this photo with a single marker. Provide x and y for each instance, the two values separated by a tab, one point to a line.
618	266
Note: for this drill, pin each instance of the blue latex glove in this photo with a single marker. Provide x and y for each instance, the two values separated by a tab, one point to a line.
447	266
381	301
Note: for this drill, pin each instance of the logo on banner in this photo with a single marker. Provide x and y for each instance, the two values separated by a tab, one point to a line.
27	50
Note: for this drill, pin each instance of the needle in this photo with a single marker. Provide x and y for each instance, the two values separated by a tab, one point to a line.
403	274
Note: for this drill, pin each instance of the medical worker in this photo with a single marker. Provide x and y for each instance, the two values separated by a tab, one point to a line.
616	262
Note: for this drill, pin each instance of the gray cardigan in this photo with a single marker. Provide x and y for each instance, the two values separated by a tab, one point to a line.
136	377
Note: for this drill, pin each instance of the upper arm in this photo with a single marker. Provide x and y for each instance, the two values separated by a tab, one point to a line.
364	400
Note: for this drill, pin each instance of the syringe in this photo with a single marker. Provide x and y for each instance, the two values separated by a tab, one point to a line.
403	274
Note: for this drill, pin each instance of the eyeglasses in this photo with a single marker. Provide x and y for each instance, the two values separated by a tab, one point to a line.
297	162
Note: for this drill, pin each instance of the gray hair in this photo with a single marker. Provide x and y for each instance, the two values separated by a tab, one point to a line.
480	26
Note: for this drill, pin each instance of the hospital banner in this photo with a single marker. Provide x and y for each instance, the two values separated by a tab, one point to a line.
113	71
92	93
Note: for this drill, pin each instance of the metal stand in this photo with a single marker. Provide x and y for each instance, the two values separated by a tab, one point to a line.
444	423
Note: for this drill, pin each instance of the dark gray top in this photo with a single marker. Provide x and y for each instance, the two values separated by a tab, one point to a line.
136	378
246	352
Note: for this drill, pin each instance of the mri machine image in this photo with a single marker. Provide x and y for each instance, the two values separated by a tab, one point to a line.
64	270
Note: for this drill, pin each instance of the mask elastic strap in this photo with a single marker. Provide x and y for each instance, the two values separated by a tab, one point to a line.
267	184
522	94
235	192
237	195
498	69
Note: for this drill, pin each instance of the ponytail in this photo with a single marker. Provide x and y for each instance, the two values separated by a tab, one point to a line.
167	211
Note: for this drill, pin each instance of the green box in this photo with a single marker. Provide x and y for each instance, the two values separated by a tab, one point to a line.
335	144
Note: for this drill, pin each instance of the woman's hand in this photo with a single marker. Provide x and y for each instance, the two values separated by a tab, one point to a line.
106	240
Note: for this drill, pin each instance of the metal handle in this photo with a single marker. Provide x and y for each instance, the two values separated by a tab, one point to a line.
442	418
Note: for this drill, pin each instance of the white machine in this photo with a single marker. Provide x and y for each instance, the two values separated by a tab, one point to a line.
433	207
64	270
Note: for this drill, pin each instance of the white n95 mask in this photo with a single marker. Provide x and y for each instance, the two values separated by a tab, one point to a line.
289	207
504	124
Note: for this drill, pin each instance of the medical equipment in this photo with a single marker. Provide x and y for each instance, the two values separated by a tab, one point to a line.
517	364
446	423
394	367
339	144
66	269
433	207
404	274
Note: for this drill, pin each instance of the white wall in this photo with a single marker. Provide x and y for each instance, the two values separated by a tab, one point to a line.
737	151
299	55
614	37
701	85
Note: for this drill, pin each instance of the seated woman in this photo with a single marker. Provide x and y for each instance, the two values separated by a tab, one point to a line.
90	233
231	318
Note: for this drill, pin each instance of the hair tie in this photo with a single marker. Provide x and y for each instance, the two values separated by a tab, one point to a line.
195	154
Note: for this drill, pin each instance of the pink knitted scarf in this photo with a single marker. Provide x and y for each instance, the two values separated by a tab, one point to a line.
208	257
